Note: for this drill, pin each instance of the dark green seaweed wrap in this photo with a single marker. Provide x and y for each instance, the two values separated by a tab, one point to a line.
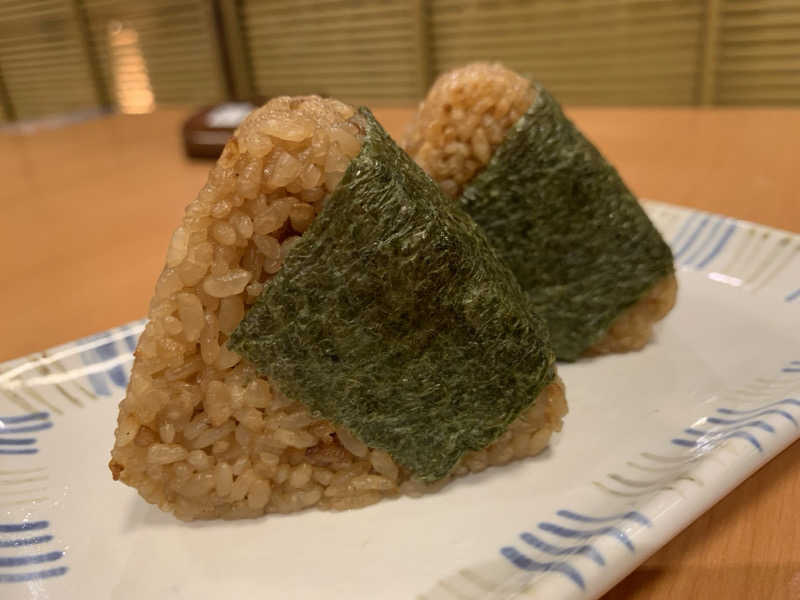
392	317
562	219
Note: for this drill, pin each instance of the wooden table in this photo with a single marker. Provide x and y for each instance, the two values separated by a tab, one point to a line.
88	210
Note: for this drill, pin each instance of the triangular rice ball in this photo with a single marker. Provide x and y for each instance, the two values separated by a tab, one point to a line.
559	215
353	324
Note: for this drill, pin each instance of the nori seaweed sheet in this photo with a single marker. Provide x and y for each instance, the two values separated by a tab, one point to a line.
561	217
393	317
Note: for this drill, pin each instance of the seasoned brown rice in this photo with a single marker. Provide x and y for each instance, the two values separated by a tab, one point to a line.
457	128
200	433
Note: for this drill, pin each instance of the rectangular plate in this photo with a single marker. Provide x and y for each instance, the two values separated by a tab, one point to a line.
653	439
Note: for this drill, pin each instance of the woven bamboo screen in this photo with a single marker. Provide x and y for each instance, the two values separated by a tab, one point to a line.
58	56
43	58
4	101
169	46
758	57
585	51
351	49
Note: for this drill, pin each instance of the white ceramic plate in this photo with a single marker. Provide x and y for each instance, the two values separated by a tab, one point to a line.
652	440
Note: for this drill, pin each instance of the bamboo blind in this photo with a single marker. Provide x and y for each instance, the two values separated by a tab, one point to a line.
43	58
585	51
4	101
759	52
58	56
352	49
168	47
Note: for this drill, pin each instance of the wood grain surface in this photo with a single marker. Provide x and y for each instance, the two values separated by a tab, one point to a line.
88	210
